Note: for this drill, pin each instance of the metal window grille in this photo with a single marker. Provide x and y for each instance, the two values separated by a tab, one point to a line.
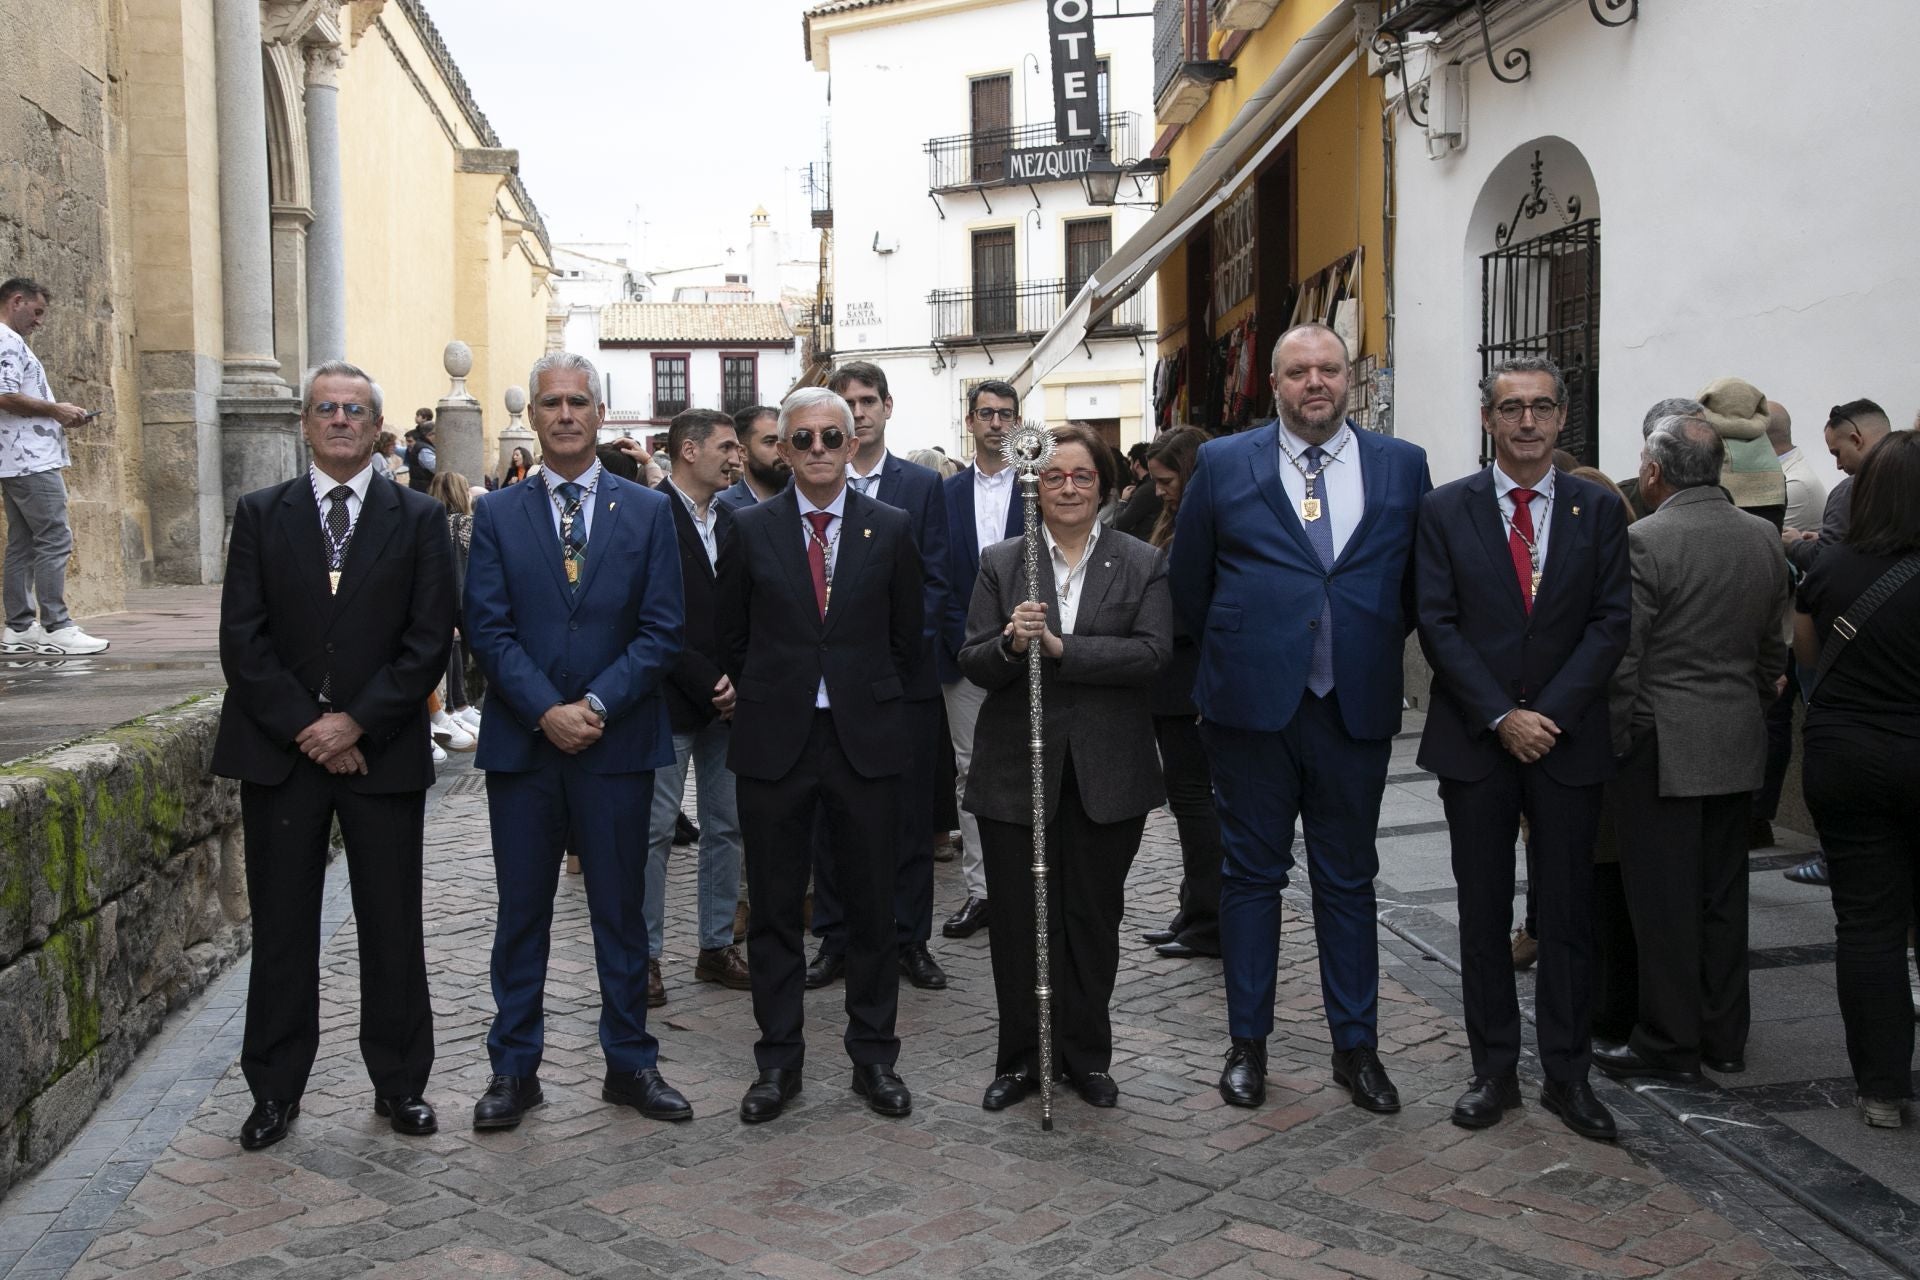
995	306
954	162
669	385
1089	243
1018	312
1169	43
992	121
1542	297
739	382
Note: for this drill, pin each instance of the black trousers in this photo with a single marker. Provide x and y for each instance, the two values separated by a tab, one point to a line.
1190	797
776	823
1766	801
911	841
1483	818
1863	788
1616	958
1683	861
1087	864
287	828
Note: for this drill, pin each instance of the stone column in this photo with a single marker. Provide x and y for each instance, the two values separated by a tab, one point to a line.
458	443
326	240
516	433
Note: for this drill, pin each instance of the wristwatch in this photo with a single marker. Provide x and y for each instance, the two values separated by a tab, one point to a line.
598	708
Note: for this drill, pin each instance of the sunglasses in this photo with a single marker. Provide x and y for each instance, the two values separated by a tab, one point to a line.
801	438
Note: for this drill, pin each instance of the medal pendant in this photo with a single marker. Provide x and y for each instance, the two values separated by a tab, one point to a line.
1534	591
573	571
1310	509
333	582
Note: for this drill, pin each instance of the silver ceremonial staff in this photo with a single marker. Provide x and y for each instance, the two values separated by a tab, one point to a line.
1028	448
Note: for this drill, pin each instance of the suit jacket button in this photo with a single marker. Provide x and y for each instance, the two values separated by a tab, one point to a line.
329	648
573	626
1313	624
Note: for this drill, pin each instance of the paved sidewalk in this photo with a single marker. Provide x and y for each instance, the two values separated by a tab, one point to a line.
1172	1183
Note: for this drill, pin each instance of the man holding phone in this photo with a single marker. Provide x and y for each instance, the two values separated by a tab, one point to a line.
33	453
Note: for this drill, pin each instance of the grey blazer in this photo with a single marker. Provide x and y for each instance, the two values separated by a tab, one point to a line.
1709	589
1097	696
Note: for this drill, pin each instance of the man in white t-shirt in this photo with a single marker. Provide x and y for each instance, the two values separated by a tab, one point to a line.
33	452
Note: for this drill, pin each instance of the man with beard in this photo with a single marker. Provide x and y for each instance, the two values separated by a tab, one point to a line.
764	472
1291	561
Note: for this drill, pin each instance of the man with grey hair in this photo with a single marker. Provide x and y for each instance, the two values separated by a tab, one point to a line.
1688	711
336	616
1671	407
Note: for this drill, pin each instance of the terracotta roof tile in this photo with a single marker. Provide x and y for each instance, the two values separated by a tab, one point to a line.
709	322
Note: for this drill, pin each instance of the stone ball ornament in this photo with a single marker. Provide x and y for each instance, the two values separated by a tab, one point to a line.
458	359
1027	448
516	398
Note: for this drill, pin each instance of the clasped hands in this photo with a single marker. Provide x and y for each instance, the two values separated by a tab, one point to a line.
1527	735
1029	623
332	742
571	726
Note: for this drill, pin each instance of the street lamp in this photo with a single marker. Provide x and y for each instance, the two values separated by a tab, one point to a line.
1102	179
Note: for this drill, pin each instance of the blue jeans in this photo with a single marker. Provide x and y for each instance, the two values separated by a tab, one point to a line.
719	835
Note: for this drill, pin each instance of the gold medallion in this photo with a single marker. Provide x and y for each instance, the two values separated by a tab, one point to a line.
1310	509
333	582
573	571
1534	593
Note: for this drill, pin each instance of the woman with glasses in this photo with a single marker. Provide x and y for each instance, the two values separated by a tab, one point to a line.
1104	623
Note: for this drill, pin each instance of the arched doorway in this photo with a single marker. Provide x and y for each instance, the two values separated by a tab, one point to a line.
1536	235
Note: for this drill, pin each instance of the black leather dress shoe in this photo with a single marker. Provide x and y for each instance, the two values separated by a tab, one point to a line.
1243	1081
967	921
1359	1071
506	1100
769	1094
411	1115
1096	1089
826	968
1156	937
921	969
267	1123
1007	1090
1725	1066
1579	1110
885	1092
646	1093
1622	1063
1485	1101
684	832
1182	949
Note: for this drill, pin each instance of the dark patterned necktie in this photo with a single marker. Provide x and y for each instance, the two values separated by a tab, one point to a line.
573	530
339	529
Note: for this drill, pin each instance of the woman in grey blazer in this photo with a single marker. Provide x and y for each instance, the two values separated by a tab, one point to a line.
1104	622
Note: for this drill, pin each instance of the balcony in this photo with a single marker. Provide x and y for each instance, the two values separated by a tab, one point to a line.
1018	313
1243	15
1183	75
1017	157
820	192
1401	17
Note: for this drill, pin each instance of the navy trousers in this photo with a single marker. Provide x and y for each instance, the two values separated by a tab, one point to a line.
601	817
1312	772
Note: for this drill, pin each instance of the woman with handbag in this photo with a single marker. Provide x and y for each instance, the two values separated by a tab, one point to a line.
1858	627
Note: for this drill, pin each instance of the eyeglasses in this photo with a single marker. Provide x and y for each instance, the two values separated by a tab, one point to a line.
801	438
327	408
995	415
1082	479
1511	411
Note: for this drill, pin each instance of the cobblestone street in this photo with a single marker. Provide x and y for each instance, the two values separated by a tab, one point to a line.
1172	1183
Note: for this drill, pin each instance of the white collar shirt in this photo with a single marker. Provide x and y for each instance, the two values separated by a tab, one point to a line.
869	484
838	510
589	481
1540	509
1069	583
1339	486
324	484
708	526
992	494
28	444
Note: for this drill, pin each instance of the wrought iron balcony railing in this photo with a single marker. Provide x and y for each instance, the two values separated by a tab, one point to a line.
1017	312
820	192
1005	157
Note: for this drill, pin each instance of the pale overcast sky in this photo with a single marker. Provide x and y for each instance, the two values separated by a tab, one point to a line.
692	112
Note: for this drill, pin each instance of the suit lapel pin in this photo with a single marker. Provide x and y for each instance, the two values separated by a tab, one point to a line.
612	505
866	533
1576	511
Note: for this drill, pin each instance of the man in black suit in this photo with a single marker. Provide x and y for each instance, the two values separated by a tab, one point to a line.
762	471
820	732
1524	602
874	473
335	622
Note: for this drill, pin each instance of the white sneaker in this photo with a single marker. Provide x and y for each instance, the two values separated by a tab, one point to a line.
28	641
73	641
461	738
1883	1113
439	756
442	726
469	716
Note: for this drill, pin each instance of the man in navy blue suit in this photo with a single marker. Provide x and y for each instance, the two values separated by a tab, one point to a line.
1291	560
983	507
574	610
874	473
1525	601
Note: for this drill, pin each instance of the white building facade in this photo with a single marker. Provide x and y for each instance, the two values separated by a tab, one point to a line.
1708	189
659	358
956	241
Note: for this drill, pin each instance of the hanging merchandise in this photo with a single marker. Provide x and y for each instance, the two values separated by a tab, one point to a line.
1331	296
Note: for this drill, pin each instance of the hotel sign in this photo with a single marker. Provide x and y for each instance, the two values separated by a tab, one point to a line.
1047	164
1076	103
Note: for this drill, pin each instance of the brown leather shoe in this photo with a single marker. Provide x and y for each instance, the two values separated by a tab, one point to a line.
656	989
724	966
742	916
1526	950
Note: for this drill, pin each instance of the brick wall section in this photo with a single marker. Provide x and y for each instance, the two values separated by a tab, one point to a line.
122	895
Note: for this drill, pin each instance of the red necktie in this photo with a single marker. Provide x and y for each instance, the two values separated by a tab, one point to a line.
1517	539
817	555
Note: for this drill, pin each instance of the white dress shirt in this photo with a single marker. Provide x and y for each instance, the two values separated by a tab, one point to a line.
324	484
869	484
588	481
1339	485
708	526
991	496
837	509
1069	584
1540	509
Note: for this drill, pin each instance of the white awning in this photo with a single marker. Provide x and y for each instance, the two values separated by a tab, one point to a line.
1315	60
